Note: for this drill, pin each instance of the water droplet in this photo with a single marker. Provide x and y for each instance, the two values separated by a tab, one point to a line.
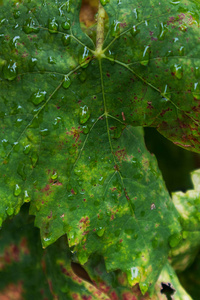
84	114
68	5
163	31
174	2
26	196
53	25
115	28
182	51
14	41
16	14
30	26
32	63
38	97
67	24
44	132
104	2
100	231
54	176
51	60
17	190
66	39
196	92
67	82
146	55
165	58
82	76
10	70
34	159
10	211
135	13
135	30
197	72
86	129
133	275
177	70
84	57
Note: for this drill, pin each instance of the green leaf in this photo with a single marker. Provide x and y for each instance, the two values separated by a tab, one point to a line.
70	141
188	206
28	272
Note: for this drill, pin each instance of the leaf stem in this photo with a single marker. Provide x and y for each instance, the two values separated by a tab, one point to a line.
100	30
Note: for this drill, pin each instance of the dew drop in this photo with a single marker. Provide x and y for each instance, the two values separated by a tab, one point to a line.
32	63
84	57
146	55
38	97
134	31
16	14
182	51
67	24
163	31
177	70
104	2
183	27
21	171
44	132
174	2
54	176
10	211
10	70
30	26
84	114
17	190
26	196
53	25
86	129
197	72
68	5
51	60
115	28
34	159
135	13
27	149
100	231
165	58
196	92
66	39
66	82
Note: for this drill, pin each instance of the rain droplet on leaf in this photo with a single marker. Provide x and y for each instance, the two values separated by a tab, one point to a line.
197	72
17	190
84	57
68	5
163	31
30	26
181	51
66	39
177	70
66	82
134	30
16	14
115	28
100	231
54	176
10	70
67	24
38	97
51	60
44	132
26	196
10	211
84	114
146	55
53	25
196	92
104	2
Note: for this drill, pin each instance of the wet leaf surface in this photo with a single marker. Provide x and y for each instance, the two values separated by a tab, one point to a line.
69	136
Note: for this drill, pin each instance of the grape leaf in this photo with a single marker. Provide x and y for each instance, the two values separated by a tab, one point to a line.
188	206
68	109
29	272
